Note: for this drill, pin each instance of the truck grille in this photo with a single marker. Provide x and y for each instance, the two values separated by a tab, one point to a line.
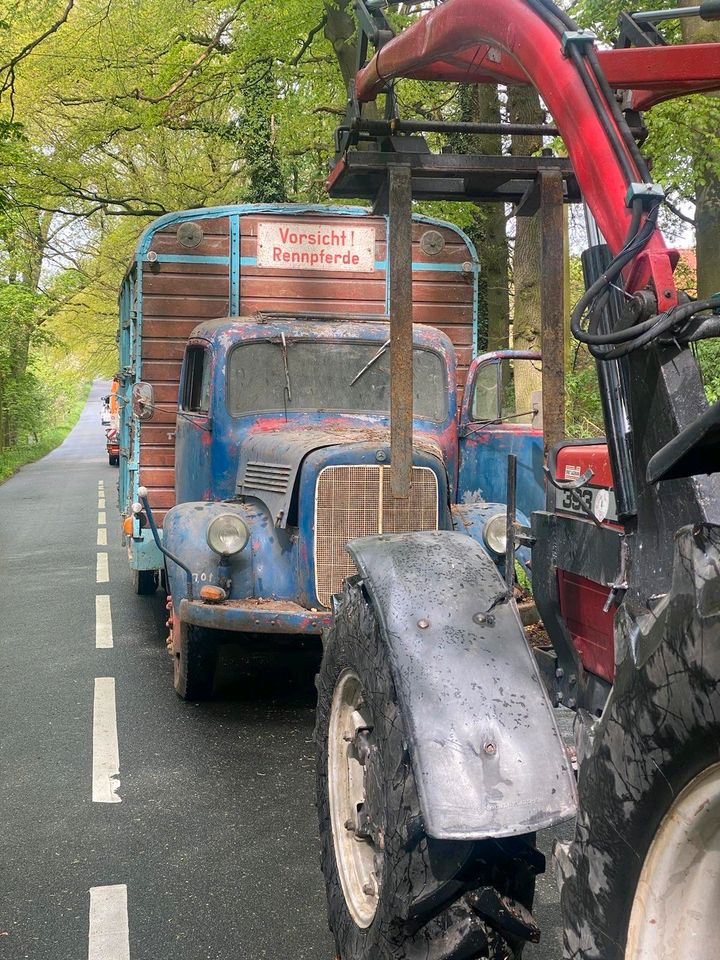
355	501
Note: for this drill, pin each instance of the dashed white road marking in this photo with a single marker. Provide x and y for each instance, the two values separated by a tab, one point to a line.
102	574
101	503
103	623
109	929
102	537
106	756
102	518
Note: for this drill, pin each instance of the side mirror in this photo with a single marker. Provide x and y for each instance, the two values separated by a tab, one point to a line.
143	400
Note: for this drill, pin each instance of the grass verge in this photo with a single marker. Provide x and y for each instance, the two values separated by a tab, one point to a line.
15	457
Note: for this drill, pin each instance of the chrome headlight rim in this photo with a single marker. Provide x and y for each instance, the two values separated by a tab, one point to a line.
213	536
495	541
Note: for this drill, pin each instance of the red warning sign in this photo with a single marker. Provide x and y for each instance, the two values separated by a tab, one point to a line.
316	246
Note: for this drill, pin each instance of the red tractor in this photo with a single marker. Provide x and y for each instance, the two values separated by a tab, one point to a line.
438	755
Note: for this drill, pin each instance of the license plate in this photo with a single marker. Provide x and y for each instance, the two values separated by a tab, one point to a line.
595	500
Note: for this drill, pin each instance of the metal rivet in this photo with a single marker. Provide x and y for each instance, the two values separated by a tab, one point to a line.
559	673
151	256
572	703
349	825
423	624
381	456
573	680
490	748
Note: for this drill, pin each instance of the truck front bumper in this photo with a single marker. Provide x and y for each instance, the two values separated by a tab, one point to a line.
255	616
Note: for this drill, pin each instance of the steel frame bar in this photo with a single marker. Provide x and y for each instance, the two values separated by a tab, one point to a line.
401	330
552	322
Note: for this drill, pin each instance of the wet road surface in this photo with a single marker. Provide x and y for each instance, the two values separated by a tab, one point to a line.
135	826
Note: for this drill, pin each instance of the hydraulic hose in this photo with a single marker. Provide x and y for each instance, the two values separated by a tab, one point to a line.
658	325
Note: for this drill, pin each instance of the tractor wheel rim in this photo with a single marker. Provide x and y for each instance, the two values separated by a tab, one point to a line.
676	910
356	858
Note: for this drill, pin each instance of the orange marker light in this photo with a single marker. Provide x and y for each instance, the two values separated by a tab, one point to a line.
128	526
212	594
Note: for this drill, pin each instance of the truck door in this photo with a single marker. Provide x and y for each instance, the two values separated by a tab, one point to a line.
193	431
500	415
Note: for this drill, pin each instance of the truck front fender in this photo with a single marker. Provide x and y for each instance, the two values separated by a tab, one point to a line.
487	755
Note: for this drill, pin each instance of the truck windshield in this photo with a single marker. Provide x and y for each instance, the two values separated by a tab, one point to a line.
320	375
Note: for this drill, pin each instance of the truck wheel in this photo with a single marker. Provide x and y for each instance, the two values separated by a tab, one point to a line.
641	878
145	582
195	662
393	892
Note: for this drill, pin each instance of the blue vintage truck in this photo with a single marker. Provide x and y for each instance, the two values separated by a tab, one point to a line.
255	416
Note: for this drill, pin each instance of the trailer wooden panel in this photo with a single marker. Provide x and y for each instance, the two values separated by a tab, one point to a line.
200	265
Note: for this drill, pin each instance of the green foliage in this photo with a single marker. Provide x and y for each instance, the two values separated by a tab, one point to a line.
265	178
61	403
684	134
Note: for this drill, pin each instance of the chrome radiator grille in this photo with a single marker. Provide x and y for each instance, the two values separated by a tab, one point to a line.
356	501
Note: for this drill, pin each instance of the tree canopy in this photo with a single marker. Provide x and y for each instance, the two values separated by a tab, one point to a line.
115	111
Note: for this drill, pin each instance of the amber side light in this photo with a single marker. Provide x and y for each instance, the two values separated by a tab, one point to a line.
128	526
212	594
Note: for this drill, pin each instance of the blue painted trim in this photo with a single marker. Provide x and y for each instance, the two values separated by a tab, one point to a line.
385	265
234	265
248	261
182	258
132	469
144	554
441	267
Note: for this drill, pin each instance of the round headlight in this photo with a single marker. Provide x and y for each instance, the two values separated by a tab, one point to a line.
227	534
495	533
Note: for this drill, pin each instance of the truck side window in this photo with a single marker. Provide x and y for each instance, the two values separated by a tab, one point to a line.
196	380
485	405
505	390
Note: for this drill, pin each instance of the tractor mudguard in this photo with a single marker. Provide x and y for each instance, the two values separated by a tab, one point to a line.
487	755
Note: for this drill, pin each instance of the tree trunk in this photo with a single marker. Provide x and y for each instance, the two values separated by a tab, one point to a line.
524	107
707	190
480	104
707	235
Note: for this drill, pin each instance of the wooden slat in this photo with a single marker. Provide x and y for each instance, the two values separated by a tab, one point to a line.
158	478
156	371
186	284
199	308
162	349
157	456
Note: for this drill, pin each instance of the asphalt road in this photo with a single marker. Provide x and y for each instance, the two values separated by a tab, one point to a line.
211	851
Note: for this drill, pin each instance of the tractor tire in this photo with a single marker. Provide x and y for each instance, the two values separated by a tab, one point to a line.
393	892
640	880
195	662
145	582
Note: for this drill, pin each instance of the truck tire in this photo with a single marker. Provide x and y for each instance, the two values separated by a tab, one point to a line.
195	662
641	879
393	892
145	582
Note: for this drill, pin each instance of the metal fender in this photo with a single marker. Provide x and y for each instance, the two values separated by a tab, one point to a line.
487	754
184	532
